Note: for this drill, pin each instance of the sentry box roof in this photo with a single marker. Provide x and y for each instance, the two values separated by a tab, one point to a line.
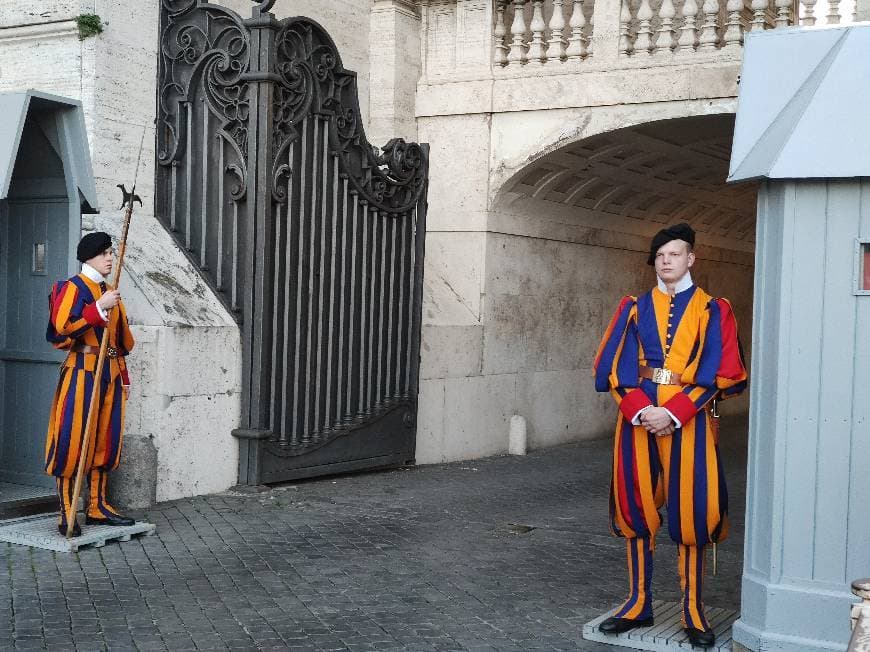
62	122
803	109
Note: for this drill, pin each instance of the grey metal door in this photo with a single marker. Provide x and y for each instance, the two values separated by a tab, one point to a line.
311	237
34	250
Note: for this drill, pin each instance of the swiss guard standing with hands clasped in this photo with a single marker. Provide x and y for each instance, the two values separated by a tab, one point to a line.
665	357
83	311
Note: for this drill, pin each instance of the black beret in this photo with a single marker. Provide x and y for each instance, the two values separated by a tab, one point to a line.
680	231
92	245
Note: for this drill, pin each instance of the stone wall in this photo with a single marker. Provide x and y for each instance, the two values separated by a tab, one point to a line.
518	294
544	305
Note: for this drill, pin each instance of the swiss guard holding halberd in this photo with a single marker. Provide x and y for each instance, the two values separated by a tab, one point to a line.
83	310
665	357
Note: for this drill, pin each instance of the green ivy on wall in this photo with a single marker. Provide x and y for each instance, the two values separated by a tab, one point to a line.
89	25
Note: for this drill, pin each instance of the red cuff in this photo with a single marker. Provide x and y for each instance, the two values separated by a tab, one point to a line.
634	402
125	377
91	314
682	407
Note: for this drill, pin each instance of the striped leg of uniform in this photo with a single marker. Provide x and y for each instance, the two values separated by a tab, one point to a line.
691	565
64	497
106	452
98	504
640	571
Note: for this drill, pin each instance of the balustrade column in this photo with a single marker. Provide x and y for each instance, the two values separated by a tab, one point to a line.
518	47
759	9
783	13
833	16
577	41
809	18
624	20
556	48
733	36
688	32
500	50
665	36
643	42
709	36
537	52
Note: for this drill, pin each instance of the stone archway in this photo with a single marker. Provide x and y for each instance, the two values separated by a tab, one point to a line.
568	235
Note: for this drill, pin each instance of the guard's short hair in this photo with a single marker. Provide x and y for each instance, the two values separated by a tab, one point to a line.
93	244
680	231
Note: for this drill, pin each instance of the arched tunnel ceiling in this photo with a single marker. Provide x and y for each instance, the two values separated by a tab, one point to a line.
652	175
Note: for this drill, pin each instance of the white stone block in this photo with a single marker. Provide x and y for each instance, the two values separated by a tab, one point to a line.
143	365
457	261
430	422
562	406
197	453
458	163
200	361
47	58
477	414
20	12
451	351
514	333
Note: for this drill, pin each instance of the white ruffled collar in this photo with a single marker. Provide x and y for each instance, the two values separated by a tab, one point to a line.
683	284
92	274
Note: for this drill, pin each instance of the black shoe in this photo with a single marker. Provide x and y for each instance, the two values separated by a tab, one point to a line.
115	519
700	637
618	625
77	531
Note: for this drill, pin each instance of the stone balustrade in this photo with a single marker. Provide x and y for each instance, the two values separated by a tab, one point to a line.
558	32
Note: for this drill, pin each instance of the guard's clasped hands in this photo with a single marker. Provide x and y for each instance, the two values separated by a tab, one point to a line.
658	421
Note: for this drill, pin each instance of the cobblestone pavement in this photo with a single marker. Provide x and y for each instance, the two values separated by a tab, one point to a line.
428	558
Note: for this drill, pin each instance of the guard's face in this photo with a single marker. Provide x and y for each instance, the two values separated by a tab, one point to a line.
673	260
102	262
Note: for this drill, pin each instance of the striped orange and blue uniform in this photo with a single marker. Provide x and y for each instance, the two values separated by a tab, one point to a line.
76	321
693	335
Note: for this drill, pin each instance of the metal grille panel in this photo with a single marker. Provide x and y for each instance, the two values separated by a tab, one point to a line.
310	236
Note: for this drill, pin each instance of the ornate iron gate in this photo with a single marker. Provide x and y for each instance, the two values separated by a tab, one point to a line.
309	235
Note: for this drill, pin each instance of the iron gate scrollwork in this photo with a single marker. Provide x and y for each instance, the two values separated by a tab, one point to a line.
311	237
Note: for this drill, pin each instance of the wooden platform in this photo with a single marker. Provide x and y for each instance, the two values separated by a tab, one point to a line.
667	633
41	532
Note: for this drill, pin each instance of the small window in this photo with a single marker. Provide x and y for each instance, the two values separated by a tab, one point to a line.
38	259
862	267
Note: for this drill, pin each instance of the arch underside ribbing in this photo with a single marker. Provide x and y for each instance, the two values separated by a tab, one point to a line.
639	178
